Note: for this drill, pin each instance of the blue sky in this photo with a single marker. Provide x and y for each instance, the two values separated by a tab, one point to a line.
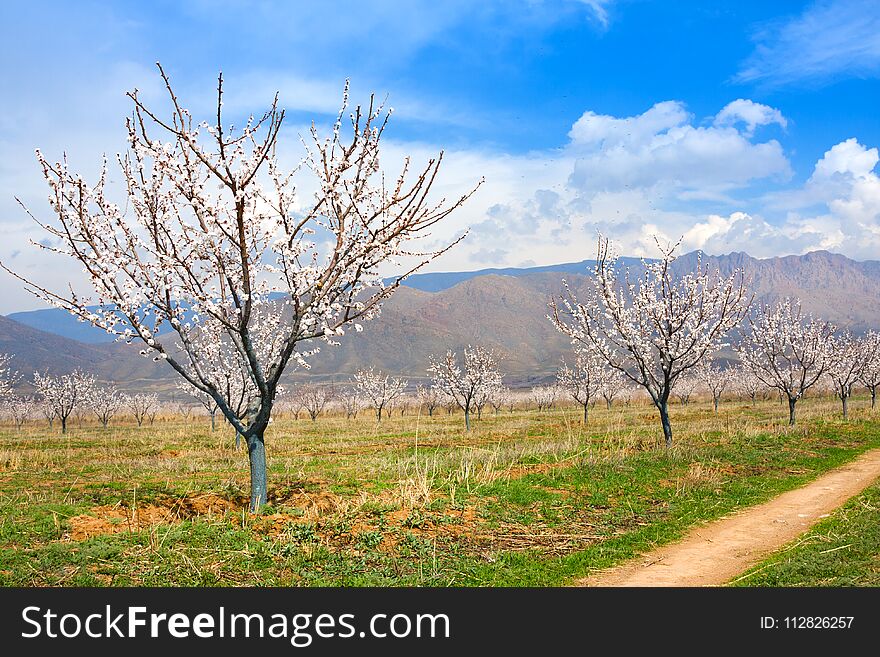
739	125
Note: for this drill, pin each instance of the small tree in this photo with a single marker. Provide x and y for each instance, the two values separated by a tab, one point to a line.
716	379
378	388
850	358
20	408
615	386
105	402
471	386
501	398
47	410
544	396
142	405
743	379
313	398
205	401
870	373
63	394
213	247
685	386
787	350
429	397
182	407
586	380
352	402
654	331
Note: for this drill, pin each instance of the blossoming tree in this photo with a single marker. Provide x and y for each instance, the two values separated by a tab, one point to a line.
104	401
142	405
787	350
870	374
471	386
658	328
378	389
214	246
586	380
717	379
64	394
851	357
314	398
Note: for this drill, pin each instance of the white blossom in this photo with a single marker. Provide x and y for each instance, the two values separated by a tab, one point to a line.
213	227
851	358
64	394
589	377
655	329
544	396
787	349
471	386
378	389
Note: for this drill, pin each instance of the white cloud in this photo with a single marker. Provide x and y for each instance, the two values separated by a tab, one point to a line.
837	209
847	158
662	146
751	113
829	40
657	173
600	9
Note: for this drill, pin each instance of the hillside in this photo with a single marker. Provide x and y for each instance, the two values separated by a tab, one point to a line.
506	312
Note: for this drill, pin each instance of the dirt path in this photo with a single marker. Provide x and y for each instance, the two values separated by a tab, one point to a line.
715	553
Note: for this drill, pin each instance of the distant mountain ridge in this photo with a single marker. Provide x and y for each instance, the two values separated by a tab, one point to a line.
501	309
60	322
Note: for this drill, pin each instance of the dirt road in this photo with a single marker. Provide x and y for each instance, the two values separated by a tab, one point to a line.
715	553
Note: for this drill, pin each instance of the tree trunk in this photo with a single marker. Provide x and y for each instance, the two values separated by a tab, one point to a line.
63	425
467	419
213	426
586	411
715	401
844	399
663	407
237	440
791	416
257	462
378	414
873	396
608	403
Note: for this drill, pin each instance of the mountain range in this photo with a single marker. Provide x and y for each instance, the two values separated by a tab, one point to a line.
504	309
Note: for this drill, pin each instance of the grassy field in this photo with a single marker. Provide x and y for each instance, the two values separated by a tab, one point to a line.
526	498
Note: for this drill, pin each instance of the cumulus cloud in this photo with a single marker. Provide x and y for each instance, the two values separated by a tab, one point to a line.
661	174
663	146
837	208
751	113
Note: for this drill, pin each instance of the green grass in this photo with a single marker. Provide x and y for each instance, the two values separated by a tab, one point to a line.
526	498
842	550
